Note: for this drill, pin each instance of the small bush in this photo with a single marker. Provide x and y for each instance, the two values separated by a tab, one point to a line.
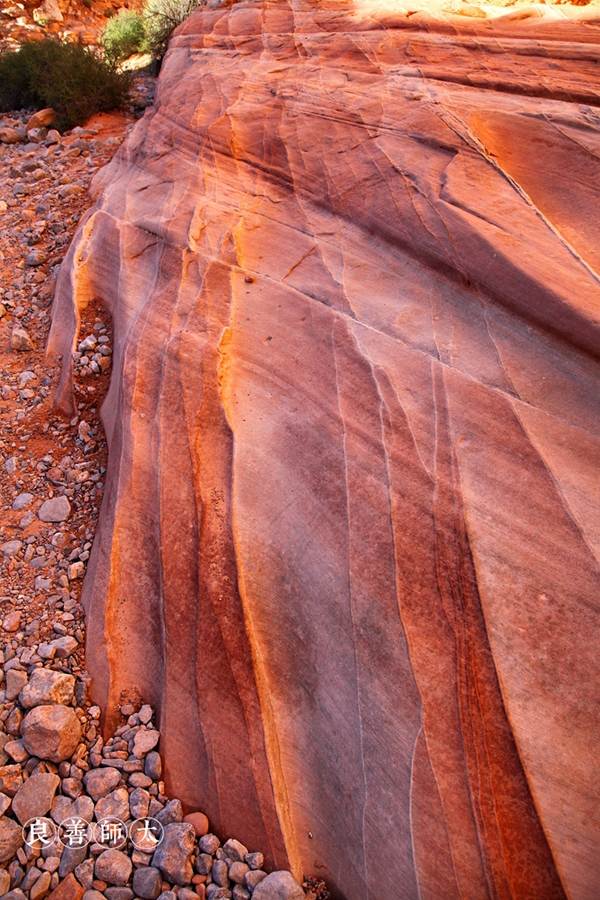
161	17
68	77
122	36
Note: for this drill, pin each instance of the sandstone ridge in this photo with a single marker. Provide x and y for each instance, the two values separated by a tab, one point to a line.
349	540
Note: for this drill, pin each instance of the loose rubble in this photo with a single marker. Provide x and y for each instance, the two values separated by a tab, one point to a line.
54	763
57	768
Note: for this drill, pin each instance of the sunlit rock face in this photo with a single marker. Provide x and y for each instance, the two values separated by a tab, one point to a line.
349	542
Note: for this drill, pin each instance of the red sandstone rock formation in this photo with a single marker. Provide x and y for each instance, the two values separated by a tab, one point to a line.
349	543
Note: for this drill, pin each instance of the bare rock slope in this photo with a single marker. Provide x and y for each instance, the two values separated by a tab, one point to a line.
350	535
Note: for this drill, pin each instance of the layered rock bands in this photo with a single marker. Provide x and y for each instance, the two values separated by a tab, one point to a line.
350	537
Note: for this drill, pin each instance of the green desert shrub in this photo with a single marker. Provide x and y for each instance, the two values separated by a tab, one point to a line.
70	78
161	17
122	36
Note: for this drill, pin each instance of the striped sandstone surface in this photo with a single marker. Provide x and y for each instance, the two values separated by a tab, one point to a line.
349	541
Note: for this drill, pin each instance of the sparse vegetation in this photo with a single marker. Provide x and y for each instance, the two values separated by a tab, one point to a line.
123	36
161	17
70	78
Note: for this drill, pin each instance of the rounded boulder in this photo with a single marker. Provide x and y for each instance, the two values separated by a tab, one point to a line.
278	886
51	732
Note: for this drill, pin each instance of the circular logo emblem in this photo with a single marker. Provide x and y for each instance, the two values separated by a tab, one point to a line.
146	834
39	832
110	833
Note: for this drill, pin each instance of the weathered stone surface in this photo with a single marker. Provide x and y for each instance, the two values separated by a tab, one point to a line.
15	682
278	886
173	854
71	858
173	812
100	782
20	339
147	882
114	867
51	732
34	797
352	259
57	509
114	804
11	779
47	687
11	838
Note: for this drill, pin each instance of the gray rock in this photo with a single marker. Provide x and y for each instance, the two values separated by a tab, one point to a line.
254	860
254	877
203	863
167	895
220	873
214	892
37	257
64	646
118	893
114	867
84	873
139	801
139	780
188	894
154	807
238	871
173	856
240	892
147	883
172	812
57	509
15	682
92	895
42	584
153	766
42	886
20	340
145	713
72	787
114	804
100	782
31	876
61	809
209	843
11	548
83	807
279	886
16	894
11	838
145	741
34	797
47	687
51	732
22	501
70	859
235	850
